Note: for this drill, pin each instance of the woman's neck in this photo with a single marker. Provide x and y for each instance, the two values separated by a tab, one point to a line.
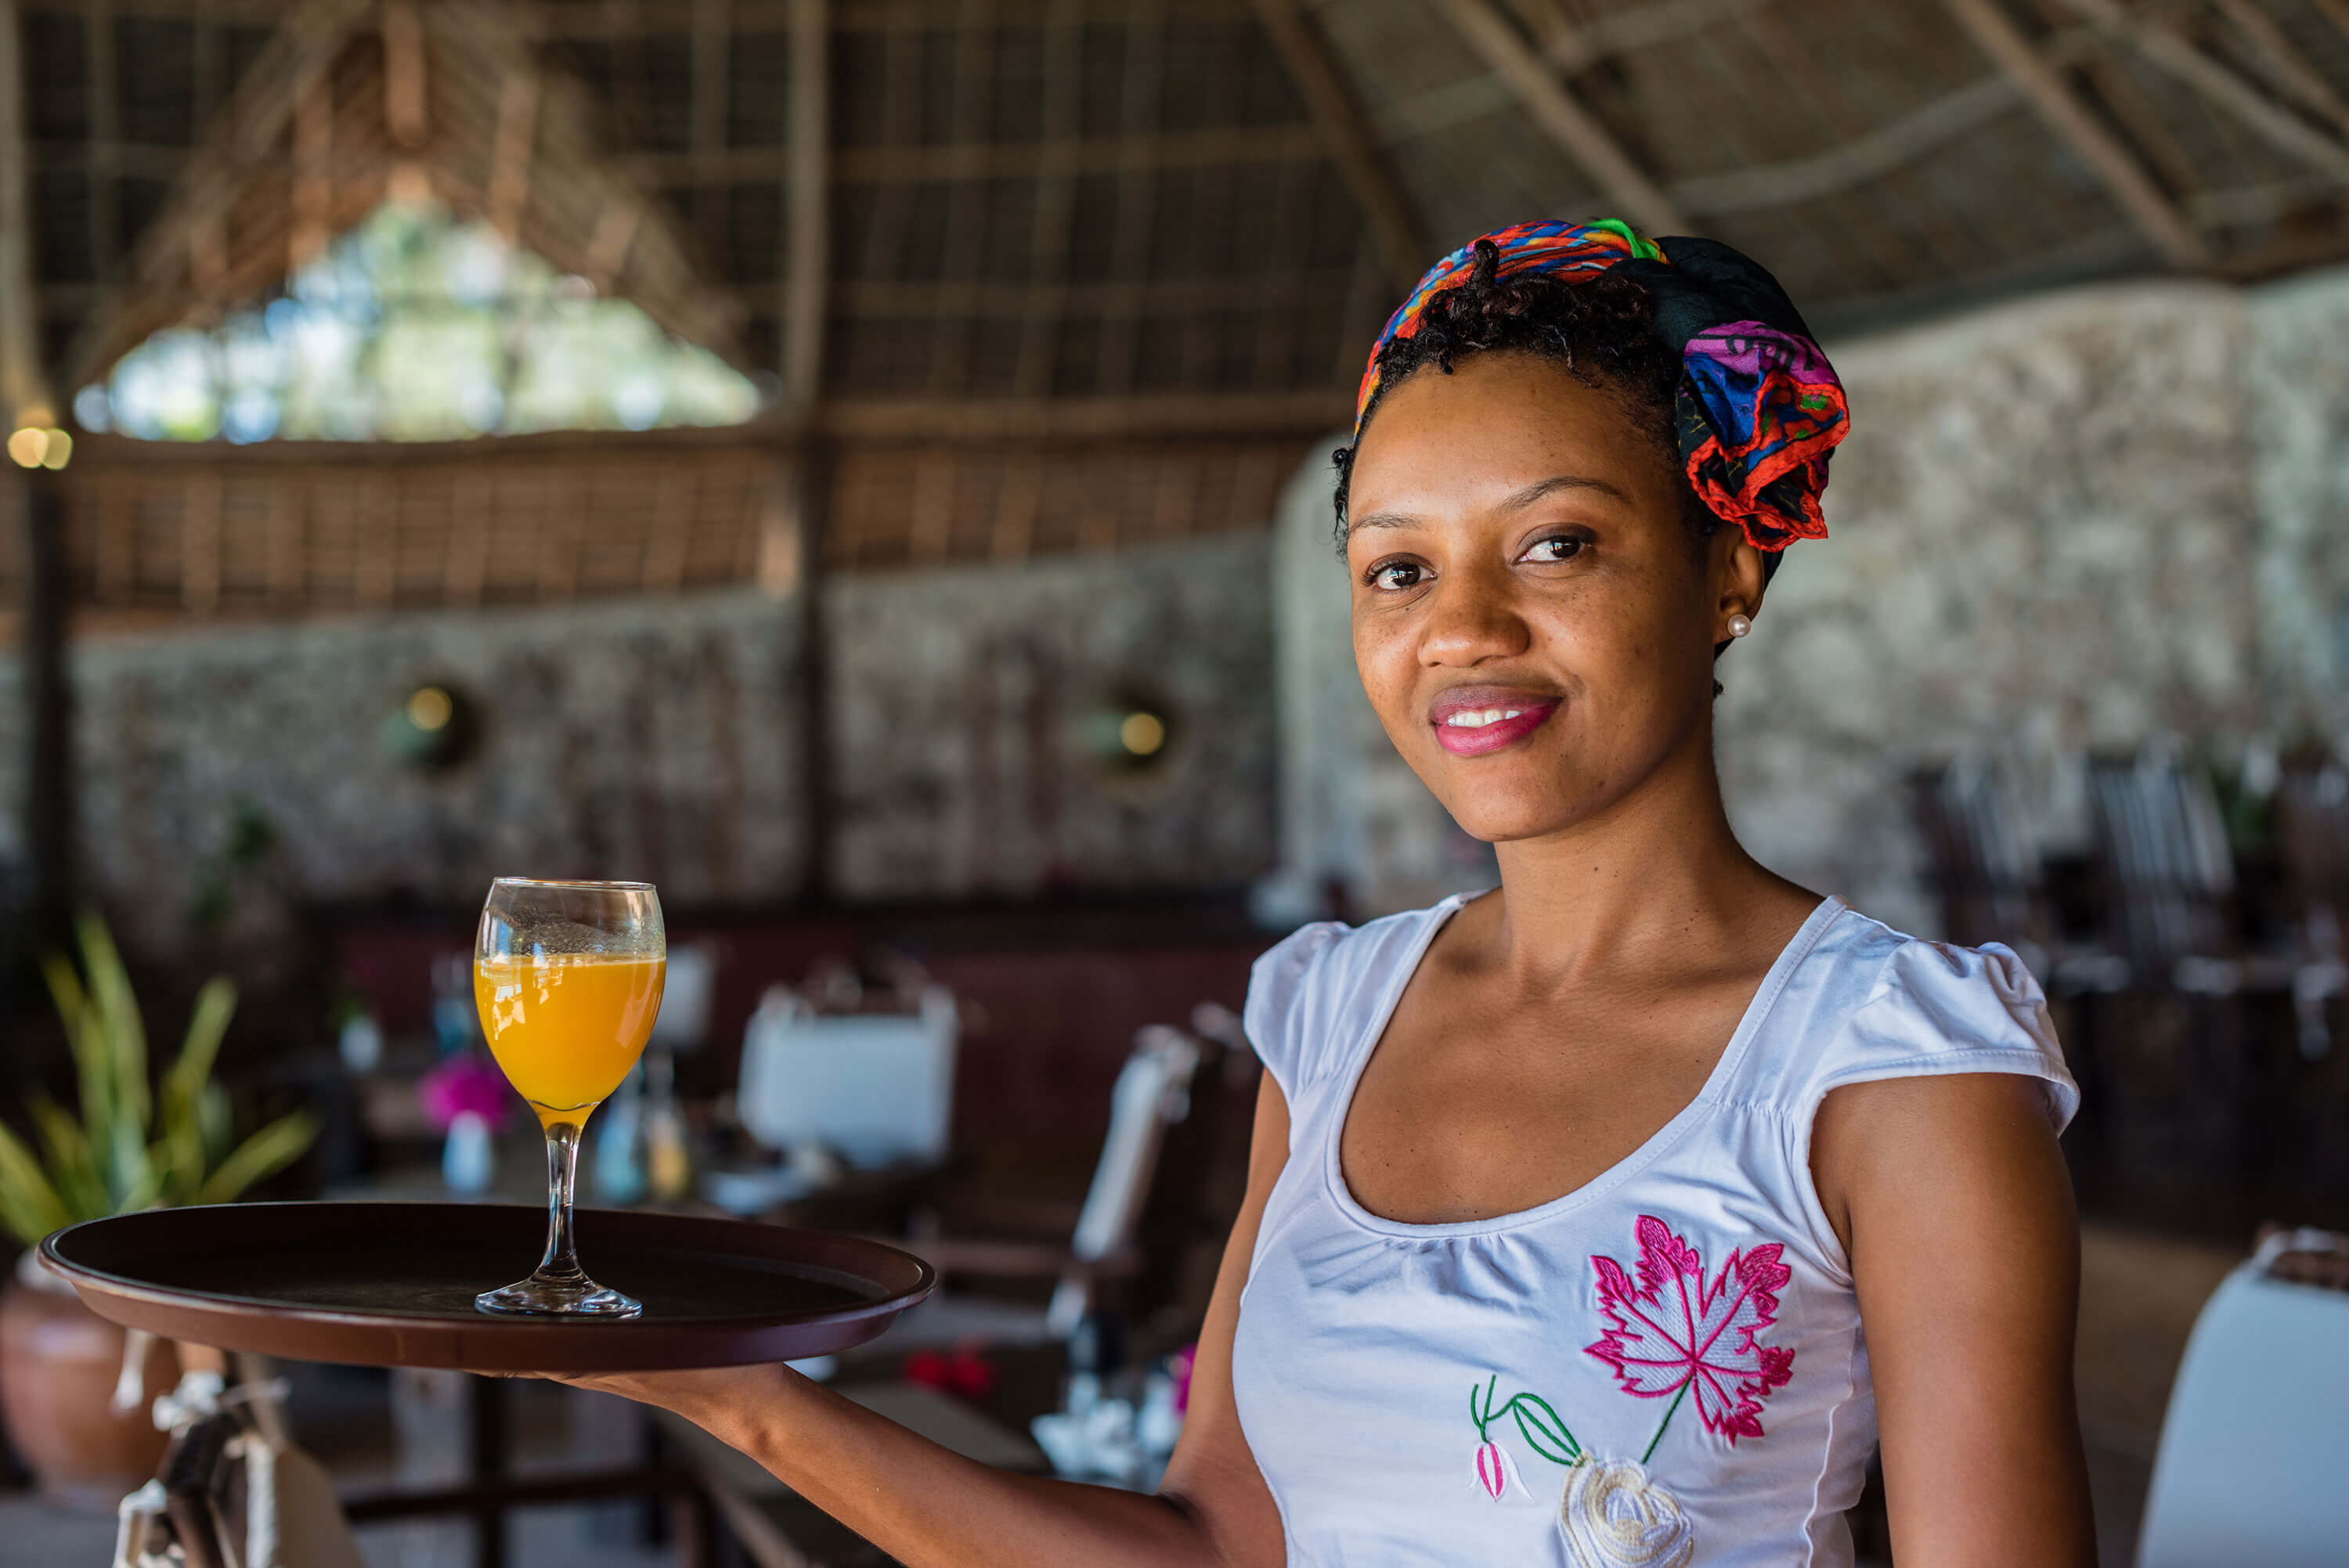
1658	871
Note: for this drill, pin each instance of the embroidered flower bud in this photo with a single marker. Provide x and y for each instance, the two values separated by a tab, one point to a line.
1496	1473
1613	1516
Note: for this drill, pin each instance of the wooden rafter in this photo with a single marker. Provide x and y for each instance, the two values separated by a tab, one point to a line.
1056	193
2162	46
512	152
25	396
1144	79
2284	64
1562	118
2147	205
1183	414
1576	46
407	117
511	137
1328	96
807	265
103	88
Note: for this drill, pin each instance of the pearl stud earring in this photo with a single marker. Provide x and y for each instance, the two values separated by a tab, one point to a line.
1739	624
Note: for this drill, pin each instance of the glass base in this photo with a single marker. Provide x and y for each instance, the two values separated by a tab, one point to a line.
547	1296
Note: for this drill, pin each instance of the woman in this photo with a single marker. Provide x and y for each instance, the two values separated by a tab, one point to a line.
1605	1219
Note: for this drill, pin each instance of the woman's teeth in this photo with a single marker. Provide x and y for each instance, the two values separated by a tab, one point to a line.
1466	720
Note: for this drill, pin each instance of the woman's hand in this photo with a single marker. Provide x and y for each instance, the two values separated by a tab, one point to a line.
704	1396
928	1507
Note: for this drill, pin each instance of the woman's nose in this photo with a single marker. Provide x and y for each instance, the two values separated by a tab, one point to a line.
1474	619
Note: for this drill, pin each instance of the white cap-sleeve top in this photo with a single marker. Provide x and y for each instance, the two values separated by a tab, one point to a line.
1662	1367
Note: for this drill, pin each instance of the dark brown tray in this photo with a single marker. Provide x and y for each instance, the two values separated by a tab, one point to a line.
392	1285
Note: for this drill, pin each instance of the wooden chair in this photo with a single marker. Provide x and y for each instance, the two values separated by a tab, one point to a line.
2199	1109
1152	1093
1992	883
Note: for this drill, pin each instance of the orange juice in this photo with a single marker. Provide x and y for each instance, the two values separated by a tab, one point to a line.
567	1027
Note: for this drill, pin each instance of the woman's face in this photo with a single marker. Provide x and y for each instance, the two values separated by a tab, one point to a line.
1532	620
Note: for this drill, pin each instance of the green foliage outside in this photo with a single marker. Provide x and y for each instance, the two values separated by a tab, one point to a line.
135	1145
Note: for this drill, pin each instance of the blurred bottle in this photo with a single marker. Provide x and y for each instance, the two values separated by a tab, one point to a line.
360	1044
468	1160
456	1018
668	1153
618	1169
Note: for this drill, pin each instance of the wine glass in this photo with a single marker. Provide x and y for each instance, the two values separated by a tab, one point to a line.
567	976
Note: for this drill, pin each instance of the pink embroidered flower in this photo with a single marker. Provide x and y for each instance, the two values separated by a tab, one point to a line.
1497	1473
1672	1331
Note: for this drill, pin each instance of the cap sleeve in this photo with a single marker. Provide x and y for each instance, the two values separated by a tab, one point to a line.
1280	1000
1939	1009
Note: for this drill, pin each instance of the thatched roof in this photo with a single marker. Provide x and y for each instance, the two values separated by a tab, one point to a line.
1046	225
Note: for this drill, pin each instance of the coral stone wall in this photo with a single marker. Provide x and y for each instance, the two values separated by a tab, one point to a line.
973	726
648	740
976	710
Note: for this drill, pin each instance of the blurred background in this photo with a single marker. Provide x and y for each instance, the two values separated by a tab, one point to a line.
861	465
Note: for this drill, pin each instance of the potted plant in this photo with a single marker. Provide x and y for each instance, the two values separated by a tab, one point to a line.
135	1144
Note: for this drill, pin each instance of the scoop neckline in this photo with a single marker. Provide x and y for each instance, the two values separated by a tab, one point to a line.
1757	1011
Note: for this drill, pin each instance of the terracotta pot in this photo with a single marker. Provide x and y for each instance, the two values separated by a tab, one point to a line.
59	1362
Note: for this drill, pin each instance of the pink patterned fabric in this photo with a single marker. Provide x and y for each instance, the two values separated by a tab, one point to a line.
1673	1333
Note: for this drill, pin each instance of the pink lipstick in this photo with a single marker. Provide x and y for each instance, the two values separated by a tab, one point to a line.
1476	721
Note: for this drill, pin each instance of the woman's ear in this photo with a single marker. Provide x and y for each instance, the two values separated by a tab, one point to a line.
1737	580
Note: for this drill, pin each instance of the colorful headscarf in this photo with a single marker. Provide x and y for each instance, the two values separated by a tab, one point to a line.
1759	409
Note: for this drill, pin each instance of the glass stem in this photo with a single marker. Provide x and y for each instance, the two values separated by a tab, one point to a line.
561	1261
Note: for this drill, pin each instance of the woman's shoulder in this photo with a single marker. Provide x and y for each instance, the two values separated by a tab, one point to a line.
1322	983
1868	1002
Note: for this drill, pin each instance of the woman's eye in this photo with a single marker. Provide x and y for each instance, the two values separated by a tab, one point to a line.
1397	574
1557	547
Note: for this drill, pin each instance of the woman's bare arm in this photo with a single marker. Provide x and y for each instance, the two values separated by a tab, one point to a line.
1954	1205
929	1507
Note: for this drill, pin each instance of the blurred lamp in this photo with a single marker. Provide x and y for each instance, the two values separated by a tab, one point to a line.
39	447
1130	732
435	727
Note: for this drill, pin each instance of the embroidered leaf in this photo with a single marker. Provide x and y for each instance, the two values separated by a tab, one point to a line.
1541	1441
1542	1425
1672	1331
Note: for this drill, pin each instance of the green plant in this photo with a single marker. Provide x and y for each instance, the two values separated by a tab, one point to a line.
135	1145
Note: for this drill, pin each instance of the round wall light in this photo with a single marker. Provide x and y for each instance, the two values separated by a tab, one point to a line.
1129	733
436	726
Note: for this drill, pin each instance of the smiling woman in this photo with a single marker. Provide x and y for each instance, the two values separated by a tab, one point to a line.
1690	1180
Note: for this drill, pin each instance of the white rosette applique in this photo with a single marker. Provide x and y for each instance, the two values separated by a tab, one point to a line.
1613	1516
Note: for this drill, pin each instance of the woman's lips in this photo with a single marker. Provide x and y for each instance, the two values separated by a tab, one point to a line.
1474	723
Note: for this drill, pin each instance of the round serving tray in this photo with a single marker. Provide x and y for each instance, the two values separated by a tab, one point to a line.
392	1285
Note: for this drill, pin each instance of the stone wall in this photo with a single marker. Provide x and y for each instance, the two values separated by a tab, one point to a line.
2079	523
659	739
977	709
647	740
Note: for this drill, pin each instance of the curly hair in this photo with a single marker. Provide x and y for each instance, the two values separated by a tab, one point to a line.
1602	329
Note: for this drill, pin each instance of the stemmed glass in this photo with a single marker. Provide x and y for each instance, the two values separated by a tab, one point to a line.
567	976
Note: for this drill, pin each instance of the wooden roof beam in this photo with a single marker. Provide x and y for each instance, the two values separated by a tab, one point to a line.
2160	219
1578	45
2164	47
1563	119
808	258
2285	65
25	396
1328	95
